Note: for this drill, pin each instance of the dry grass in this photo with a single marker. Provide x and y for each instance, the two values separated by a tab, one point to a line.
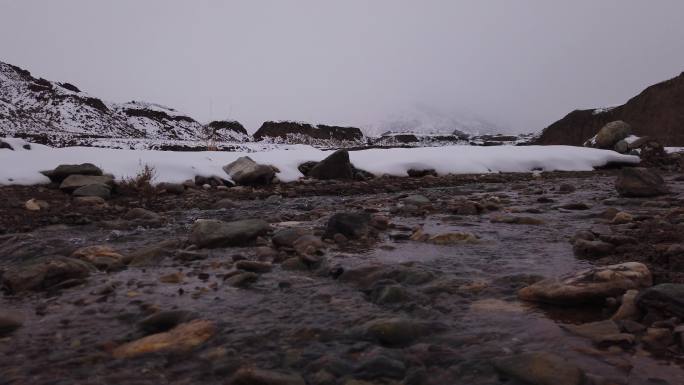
141	185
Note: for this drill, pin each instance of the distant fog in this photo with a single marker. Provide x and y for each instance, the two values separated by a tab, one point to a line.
379	64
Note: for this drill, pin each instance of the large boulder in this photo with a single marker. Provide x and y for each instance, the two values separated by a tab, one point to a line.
44	274
666	298
247	172
591	285
64	170
613	132
335	166
640	182
540	368
208	233
73	182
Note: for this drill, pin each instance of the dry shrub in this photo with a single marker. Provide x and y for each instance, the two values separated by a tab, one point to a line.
141	185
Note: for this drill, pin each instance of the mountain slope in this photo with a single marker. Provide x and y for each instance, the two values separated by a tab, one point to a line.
61	114
657	112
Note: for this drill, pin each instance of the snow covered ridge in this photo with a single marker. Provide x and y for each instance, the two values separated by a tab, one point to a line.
62	115
180	166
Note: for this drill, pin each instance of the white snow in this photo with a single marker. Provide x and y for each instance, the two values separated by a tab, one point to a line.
631	139
23	167
672	150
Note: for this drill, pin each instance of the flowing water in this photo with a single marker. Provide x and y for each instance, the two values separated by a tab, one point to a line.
313	322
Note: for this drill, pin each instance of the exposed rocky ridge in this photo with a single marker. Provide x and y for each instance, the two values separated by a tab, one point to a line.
657	112
60	114
305	133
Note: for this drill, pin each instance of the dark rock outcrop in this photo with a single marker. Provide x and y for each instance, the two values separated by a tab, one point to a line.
295	132
657	112
335	166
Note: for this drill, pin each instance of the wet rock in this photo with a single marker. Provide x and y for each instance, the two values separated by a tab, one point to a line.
602	333
621	146
209	233
640	182
244	171
152	255
171	188
540	369
306	167
456	238
592	249
566	188
36	205
621	218
90	201
380	367
9	322
417	200
254	266
399	331
180	339
628	309
102	257
366	276
351	225
165	320
242	280
295	264
575	206
173	278
389	294
139	213
44	273
254	376
591	285
73	182
225	203
335	166
612	133
94	190
287	237
510	219
658	338
308	245
380	222
63	171
667	298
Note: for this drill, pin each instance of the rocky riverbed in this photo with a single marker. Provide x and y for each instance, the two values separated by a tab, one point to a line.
550	278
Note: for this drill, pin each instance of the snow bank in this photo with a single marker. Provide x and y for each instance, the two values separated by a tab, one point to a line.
23	167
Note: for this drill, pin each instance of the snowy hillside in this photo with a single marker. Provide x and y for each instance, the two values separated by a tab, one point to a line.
61	114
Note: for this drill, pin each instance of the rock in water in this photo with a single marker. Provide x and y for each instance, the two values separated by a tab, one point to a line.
244	171
592	285
9	322
541	369
666	298
640	182
351	225
64	170
254	376
215	233
180	339
335	166
399	331
44	273
612	133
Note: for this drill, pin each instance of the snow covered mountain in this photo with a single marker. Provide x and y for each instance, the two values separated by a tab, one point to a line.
60	114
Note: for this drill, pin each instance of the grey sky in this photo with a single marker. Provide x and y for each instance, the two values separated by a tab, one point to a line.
518	63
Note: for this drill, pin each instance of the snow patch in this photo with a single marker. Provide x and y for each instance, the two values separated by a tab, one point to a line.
180	166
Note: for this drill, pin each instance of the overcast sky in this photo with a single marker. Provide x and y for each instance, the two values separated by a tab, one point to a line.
521	64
